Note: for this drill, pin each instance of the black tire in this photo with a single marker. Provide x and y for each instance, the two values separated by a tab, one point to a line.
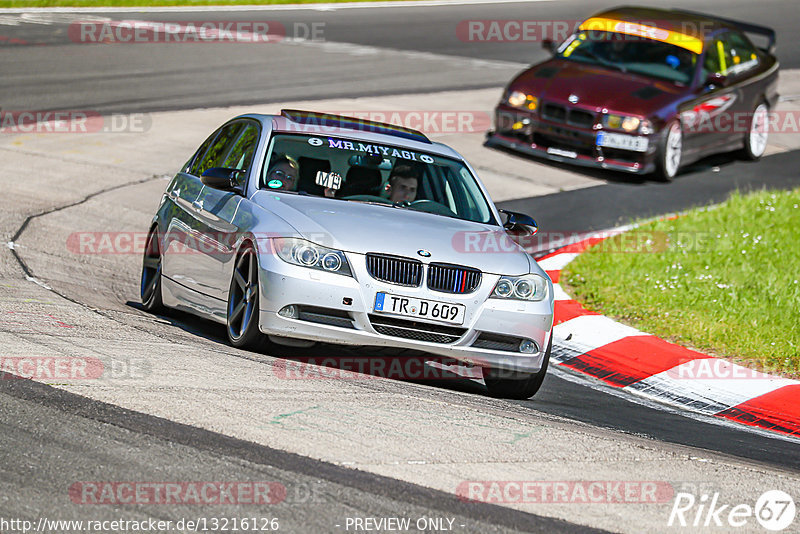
243	305
150	287
752	150
515	385
667	166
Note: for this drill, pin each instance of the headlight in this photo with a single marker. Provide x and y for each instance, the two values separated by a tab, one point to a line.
308	254
521	100
517	99
527	287
629	124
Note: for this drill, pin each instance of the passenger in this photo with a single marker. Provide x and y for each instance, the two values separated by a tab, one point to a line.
403	183
283	172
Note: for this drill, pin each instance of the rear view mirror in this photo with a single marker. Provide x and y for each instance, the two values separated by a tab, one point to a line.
549	45
519	223
223	178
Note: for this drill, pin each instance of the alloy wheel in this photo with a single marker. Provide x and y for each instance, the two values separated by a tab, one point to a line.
244	295
150	289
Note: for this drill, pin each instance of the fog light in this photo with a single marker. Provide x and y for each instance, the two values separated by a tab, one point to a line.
290	312
527	346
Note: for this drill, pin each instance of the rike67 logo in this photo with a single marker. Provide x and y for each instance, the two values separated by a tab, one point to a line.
774	510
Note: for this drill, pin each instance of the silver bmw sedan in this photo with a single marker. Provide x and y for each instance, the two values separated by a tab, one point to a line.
305	227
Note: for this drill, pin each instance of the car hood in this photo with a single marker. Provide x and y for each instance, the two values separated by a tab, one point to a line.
360	228
596	87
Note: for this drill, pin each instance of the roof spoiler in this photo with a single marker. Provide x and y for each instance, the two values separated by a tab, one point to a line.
351	123
769	33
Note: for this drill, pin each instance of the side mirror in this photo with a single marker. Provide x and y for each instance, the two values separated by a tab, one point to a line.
549	45
222	178
715	79
519	223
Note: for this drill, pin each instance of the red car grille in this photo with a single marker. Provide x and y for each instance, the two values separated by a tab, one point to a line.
568	115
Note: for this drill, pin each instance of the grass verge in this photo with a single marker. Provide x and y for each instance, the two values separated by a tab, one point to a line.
723	280
154	3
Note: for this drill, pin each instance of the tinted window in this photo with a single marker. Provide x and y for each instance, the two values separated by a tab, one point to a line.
198	156
219	149
711	62
740	54
627	53
241	154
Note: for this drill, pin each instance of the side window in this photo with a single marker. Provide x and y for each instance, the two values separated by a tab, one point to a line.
740	53
712	63
219	149
241	155
198	156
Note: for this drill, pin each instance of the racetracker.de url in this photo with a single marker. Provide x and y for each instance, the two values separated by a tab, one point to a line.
199	524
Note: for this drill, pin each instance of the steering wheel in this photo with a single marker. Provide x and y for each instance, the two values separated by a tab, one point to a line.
431	206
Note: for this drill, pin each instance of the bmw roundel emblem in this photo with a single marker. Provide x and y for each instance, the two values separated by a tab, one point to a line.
424	253
573	99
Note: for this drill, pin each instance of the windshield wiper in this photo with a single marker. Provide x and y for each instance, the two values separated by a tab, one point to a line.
603	61
371	202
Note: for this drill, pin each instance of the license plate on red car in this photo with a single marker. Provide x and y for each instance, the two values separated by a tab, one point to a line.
419	308
622	142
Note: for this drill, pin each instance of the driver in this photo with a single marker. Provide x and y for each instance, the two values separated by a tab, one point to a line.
282	173
616	50
403	183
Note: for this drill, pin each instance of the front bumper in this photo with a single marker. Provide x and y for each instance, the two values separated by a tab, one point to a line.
530	134
325	293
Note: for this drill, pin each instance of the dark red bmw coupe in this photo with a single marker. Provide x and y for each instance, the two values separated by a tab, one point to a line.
644	90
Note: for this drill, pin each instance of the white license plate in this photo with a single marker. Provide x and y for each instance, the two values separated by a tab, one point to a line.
563	153
420	308
624	142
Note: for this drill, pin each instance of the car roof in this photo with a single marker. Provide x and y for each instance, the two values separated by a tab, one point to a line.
284	124
674	20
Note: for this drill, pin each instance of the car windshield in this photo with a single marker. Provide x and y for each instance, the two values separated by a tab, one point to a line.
629	53
360	171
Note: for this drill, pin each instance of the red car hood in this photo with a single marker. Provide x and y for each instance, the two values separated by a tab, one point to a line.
596	87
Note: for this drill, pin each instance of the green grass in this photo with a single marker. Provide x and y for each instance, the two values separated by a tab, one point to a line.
724	280
151	3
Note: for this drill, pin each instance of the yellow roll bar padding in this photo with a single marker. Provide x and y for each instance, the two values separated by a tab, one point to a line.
721	51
